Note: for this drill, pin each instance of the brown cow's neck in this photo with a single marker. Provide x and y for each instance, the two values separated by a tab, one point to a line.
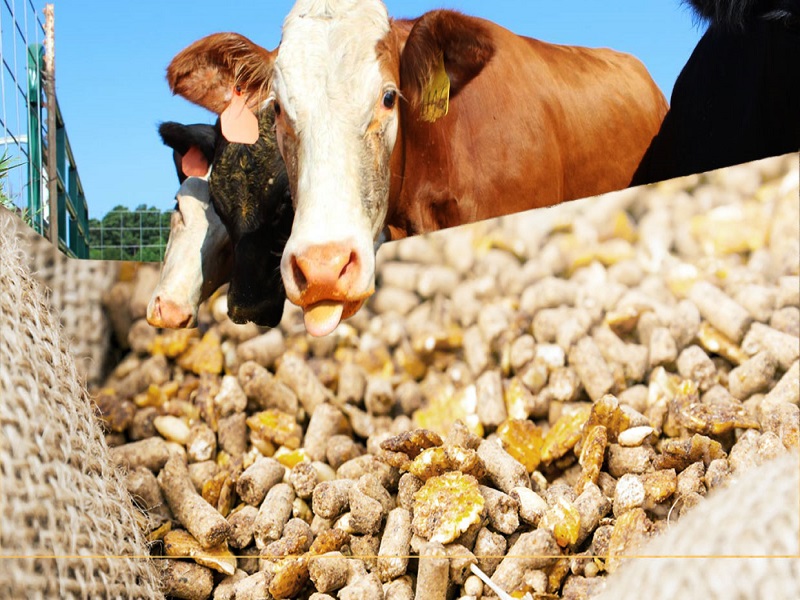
526	133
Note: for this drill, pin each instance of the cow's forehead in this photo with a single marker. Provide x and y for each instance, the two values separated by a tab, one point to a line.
327	56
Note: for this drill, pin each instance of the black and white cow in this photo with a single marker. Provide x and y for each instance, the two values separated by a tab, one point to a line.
217	180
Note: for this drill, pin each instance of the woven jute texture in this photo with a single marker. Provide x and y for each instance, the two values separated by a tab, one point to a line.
73	289
742	543
67	525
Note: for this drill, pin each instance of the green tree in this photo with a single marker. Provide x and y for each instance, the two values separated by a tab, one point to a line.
123	234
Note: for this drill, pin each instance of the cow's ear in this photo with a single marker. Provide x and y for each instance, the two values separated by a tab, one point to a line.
194	163
443	42
211	70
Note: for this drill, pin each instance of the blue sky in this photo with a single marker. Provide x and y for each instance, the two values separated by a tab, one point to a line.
111	59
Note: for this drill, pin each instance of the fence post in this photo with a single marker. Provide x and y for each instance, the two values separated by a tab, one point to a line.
35	137
50	93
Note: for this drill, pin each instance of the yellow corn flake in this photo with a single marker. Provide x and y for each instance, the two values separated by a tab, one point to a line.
592	456
212	488
434	462
375	360
662	386
203	357
427	343
713	419
410	363
564	521
555	579
172	343
225	498
566	432
579	259
523	440
731	229
495	241
518	399
180	543
630	530
278	427
613	251
158	534
411	443
623	227
623	321
290	579
223	459
152	397
446	406
715	342
330	540
446	506
681	278
607	412
658	486
679	454
289	458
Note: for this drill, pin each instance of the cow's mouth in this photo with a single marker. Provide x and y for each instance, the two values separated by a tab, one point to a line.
323	317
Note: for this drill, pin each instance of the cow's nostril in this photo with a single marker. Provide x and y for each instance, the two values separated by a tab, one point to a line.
299	276
350	265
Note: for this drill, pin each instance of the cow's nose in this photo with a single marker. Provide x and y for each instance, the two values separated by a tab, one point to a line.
326	272
169	314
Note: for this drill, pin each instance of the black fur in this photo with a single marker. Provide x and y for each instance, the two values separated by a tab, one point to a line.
250	190
182	137
738	14
737	99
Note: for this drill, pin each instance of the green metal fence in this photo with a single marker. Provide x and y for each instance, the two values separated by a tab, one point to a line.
73	212
24	135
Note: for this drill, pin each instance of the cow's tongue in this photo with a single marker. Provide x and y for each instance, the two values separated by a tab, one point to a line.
323	317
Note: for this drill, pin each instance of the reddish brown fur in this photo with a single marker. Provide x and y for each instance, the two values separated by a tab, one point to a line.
465	44
530	124
206	71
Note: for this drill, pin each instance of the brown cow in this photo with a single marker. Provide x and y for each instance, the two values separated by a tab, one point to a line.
525	124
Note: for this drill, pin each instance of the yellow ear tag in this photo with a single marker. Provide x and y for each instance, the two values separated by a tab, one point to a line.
436	95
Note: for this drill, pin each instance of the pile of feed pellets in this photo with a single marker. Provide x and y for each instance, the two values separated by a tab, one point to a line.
521	404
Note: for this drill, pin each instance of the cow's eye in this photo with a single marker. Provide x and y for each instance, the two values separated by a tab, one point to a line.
277	109
389	99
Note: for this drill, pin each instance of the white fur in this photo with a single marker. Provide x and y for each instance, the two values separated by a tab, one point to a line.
196	236
328	82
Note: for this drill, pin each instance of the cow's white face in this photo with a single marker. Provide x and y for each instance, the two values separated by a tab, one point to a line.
337	125
195	260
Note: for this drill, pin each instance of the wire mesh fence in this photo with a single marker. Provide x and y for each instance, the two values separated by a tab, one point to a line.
21	35
122	234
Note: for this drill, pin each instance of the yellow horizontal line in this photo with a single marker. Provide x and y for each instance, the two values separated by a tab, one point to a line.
408	556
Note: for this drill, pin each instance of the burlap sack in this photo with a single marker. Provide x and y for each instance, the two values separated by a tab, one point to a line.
743	542
73	290
67	525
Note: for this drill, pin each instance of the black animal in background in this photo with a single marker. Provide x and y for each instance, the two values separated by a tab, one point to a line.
242	209
250	190
737	99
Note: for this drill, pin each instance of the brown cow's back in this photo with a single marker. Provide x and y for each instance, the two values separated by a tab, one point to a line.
540	124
